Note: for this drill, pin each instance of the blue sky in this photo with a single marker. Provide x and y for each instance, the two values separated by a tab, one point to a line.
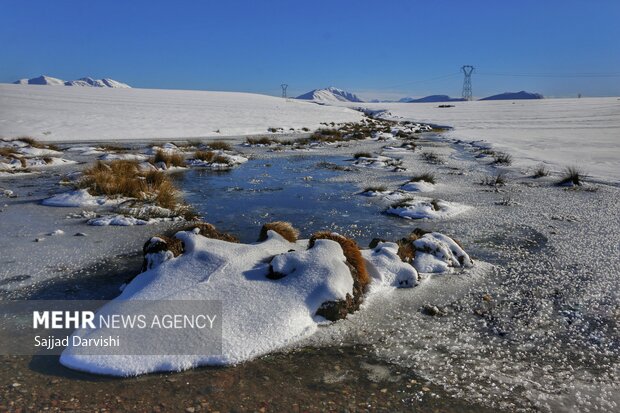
376	49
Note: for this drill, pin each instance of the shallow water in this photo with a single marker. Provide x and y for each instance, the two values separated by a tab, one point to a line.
294	189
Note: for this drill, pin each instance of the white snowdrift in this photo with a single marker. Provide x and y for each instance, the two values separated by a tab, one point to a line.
77	198
419	186
385	266
424	209
553	131
260	315
436	253
108	114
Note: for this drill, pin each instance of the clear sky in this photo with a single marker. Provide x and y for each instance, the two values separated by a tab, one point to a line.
381	49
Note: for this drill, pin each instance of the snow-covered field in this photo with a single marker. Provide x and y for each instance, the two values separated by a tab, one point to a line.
559	132
536	330
99	114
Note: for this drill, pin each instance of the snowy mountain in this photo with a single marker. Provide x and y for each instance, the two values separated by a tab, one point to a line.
41	80
85	81
514	96
431	99
330	94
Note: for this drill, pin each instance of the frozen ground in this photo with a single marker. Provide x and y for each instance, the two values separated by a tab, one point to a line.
559	132
537	331
100	114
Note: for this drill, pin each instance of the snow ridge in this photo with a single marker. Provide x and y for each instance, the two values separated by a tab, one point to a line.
330	94
84	81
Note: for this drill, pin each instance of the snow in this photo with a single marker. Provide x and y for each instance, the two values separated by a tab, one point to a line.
422	208
260	315
437	252
419	186
100	114
386	267
76	198
330	94
116	220
557	132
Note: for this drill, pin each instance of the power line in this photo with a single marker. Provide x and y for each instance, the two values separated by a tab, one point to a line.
552	75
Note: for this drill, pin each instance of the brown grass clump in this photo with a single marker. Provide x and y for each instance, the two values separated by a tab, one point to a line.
351	252
206	156
219	145
285	229
540	171
221	159
261	140
160	243
125	178
11	153
209	231
168	158
358	155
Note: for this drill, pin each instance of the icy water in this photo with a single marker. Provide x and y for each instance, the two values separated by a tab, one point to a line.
537	329
297	189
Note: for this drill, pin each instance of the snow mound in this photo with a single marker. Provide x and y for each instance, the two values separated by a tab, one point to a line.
418	186
116	220
236	274
437	253
330	94
260	314
426	209
386	267
378	162
77	198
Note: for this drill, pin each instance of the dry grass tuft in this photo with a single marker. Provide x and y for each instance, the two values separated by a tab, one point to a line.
540	171
285	229
432	157
379	188
126	179
572	175
168	158
206	156
497	180
358	155
501	158
209	231
426	177
219	145
262	140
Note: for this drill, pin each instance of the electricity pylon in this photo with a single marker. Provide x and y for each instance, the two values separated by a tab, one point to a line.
467	71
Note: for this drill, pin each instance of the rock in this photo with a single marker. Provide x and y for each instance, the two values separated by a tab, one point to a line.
39	239
432	310
80	234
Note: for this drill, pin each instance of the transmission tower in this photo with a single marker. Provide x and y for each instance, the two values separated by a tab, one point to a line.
284	86
467	71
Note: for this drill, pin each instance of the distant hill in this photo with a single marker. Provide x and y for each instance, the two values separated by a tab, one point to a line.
85	81
431	99
514	96
330	94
